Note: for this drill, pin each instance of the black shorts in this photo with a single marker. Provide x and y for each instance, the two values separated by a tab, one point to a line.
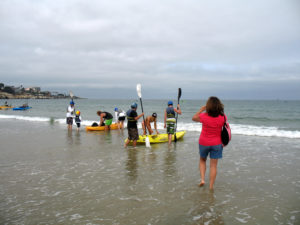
133	134
121	118
78	125
69	120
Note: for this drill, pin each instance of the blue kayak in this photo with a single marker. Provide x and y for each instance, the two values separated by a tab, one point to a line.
22	108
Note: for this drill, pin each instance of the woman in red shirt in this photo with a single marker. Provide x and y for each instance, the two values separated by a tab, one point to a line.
210	138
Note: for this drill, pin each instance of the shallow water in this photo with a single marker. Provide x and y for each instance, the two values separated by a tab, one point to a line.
251	118
52	176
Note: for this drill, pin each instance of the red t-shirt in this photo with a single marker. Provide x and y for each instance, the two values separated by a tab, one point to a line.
211	129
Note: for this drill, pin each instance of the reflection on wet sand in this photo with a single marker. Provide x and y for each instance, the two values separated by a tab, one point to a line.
69	137
170	162
131	164
77	138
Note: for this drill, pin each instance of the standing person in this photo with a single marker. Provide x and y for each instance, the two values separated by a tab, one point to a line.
132	118
78	119
116	115
119	117
210	138
70	114
106	118
148	121
170	119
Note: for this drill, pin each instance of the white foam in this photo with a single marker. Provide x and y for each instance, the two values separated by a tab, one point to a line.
240	129
26	118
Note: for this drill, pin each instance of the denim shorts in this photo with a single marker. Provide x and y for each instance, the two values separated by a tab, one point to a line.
214	151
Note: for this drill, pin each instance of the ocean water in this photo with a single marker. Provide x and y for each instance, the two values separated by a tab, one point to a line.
50	175
253	118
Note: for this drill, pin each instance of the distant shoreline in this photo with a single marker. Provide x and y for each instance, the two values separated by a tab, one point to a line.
5	95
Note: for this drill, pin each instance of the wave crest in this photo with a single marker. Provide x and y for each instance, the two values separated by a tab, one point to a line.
239	129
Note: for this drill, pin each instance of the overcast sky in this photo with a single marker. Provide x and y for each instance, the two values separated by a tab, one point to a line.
233	49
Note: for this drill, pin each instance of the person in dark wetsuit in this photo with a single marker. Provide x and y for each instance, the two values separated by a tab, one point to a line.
105	118
170	119
132	118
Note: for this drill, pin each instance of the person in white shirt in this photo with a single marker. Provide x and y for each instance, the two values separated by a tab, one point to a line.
120	116
70	114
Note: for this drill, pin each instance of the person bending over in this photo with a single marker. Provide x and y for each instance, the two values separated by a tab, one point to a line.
148	121
105	118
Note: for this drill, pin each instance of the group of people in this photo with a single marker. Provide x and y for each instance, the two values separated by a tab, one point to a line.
133	117
106	120
211	116
72	114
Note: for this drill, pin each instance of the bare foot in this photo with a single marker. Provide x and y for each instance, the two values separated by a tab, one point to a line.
201	184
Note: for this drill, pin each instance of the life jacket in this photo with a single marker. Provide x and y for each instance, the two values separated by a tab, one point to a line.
170	112
77	119
129	118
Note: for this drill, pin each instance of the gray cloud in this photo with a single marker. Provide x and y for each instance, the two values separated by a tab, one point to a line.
204	47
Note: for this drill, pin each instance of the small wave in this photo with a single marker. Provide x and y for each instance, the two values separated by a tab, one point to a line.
250	130
26	118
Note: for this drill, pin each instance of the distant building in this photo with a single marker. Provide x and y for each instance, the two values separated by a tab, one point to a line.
36	89
54	93
19	90
46	93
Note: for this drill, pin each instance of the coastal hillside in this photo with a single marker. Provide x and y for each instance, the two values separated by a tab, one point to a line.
12	92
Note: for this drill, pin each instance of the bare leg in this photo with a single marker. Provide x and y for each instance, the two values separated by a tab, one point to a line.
126	143
134	143
213	172
170	138
150	131
202	168
144	128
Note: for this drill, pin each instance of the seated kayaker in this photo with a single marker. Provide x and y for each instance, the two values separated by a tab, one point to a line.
148	121
106	118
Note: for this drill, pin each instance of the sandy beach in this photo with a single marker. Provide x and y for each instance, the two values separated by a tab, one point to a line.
52	176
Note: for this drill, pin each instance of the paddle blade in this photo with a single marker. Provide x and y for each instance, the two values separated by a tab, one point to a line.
139	90
148	142
179	93
71	94
175	138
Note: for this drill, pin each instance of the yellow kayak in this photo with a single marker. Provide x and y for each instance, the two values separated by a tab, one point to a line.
159	138
113	126
5	107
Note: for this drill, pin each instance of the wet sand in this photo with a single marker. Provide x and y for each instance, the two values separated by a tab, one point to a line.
52	176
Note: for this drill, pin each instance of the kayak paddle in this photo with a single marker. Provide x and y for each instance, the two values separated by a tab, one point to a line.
72	96
179	95
139	93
